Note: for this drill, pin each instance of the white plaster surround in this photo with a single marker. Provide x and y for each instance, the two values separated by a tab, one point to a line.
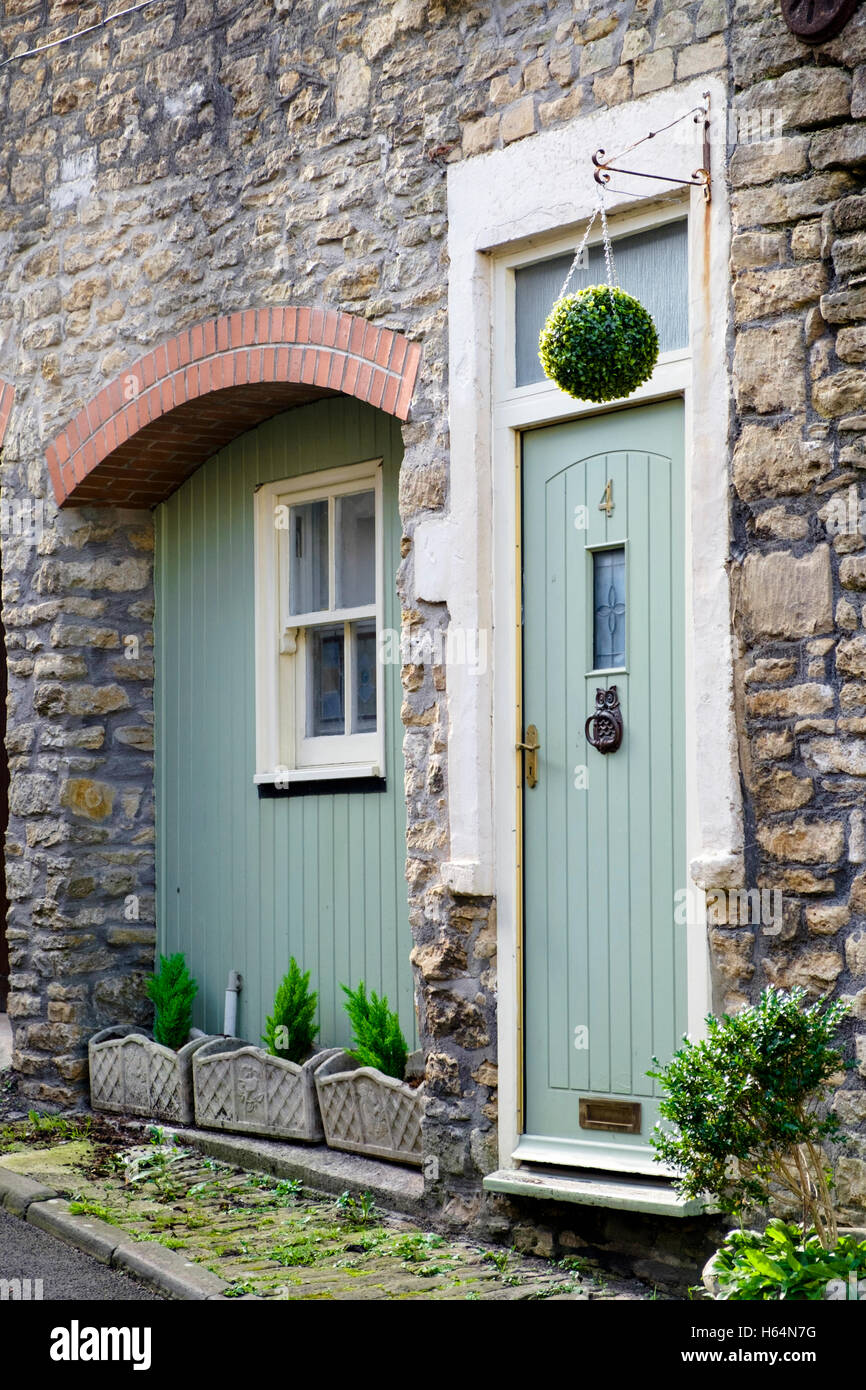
530	195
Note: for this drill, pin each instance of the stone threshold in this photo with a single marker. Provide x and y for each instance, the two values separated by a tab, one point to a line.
653	1196
395	1187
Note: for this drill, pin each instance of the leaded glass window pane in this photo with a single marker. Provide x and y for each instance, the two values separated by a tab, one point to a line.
609	608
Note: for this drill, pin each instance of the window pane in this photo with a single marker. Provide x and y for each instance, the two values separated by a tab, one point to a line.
651	265
364	694
308	558
609	594
355	543
325	682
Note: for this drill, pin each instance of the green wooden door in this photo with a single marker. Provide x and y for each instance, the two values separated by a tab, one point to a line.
604	833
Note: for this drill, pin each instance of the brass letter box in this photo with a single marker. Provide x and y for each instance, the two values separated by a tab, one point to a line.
622	1116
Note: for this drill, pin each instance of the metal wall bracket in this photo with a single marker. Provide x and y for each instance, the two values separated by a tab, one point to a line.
700	178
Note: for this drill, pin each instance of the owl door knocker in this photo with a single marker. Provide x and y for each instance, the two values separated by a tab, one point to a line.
607	725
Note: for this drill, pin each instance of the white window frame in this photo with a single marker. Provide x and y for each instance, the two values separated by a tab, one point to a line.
285	754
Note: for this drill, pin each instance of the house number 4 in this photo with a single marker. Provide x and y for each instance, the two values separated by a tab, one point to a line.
606	503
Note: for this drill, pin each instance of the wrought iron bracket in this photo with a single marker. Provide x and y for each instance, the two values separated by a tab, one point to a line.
701	177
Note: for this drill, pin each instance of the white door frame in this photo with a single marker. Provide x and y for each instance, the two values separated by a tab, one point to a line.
524	202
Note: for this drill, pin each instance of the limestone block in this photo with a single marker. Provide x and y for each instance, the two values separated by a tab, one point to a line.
805	96
783	595
769	368
842	391
777	461
825	919
851	346
762	161
804	842
758	293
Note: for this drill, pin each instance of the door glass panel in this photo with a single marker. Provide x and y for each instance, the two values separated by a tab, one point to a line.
325	682
355	545
364	677
308	557
651	265
608	587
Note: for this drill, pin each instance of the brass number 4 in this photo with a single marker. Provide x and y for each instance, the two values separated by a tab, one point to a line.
606	503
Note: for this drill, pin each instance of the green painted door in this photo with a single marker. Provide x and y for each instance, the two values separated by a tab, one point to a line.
604	833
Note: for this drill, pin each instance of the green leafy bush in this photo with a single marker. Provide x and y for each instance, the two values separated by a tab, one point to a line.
599	344
378	1039
746	1103
781	1263
172	992
290	1031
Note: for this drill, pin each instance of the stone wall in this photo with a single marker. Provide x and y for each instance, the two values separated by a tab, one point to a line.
202	157
798	261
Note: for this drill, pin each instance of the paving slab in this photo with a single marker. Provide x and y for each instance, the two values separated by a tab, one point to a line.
395	1187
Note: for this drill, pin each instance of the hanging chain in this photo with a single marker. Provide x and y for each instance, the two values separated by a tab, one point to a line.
577	255
608	252
608	247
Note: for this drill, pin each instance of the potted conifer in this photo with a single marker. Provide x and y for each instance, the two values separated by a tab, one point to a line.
368	1102
269	1090
134	1073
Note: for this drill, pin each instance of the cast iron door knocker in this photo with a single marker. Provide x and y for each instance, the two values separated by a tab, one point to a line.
607	726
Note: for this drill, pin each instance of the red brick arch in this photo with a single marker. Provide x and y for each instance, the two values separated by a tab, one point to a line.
147	431
7	395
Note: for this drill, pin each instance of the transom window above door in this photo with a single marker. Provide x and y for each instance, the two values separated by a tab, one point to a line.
651	264
319	542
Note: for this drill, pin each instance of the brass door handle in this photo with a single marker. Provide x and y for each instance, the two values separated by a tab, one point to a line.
530	748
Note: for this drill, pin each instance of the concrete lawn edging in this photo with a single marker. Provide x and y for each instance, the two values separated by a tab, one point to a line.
153	1264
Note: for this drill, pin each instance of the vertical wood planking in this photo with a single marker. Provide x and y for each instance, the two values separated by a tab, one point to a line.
601	866
244	882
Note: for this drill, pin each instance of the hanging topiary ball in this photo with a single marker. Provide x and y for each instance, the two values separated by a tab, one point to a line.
599	344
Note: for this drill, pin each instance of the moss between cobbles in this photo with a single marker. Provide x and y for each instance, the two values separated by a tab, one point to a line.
272	1238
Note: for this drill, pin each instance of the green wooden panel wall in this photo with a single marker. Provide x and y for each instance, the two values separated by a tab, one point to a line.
242	882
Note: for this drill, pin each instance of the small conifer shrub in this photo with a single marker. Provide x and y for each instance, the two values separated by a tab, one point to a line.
291	1029
378	1039
172	991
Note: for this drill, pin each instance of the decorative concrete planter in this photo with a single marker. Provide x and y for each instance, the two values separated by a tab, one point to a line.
241	1087
366	1112
130	1074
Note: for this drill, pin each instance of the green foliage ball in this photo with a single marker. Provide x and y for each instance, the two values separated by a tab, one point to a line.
599	344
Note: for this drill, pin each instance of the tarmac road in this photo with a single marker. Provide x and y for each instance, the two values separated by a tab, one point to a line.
67	1274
